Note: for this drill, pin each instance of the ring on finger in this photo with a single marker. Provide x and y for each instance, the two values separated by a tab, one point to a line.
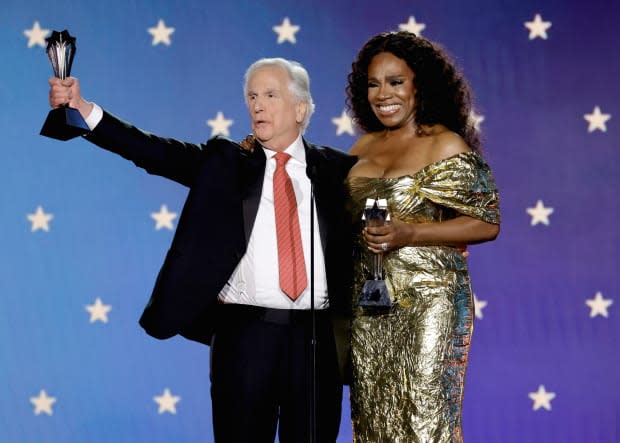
384	246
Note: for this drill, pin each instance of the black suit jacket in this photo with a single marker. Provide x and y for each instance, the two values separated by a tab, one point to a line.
214	228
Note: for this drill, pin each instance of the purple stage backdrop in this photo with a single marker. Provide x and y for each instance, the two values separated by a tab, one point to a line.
84	232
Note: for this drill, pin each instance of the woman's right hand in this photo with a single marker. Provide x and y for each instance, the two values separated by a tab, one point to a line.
390	236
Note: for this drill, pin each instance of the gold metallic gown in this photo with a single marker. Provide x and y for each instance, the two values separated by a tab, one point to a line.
409	361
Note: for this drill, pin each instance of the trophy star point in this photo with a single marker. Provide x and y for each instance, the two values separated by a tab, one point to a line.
286	31
36	35
161	33
40	220
412	26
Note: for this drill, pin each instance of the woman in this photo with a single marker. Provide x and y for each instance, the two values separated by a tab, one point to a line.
420	151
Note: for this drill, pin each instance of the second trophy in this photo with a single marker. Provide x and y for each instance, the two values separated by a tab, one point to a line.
375	292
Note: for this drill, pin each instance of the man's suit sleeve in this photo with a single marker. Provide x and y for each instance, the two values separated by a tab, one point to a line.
167	157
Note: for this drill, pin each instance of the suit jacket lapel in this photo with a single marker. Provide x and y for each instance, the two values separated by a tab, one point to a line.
253	175
315	169
254	172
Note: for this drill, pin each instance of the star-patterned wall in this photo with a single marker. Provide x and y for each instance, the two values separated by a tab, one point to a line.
84	232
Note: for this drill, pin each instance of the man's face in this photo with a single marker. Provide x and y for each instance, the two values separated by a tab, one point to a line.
276	115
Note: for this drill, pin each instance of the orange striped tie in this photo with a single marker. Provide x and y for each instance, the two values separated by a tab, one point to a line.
291	265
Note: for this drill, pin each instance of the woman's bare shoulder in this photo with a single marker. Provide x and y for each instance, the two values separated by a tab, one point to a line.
361	144
447	143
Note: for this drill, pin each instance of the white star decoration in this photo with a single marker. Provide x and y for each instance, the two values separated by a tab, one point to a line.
537	27
597	120
479	305
540	214
161	34
98	311
164	218
219	125
343	123
541	398
36	35
43	403
412	26
167	402
476	119
286	31
598	305
40	220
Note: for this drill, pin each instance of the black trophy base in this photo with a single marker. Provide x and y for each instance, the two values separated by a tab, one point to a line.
64	124
375	293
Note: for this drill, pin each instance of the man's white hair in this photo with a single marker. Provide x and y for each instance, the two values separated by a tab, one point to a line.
299	84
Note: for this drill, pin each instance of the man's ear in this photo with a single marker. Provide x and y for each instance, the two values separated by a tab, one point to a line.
300	111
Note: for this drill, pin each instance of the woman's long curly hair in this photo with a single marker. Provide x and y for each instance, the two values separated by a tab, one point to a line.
442	96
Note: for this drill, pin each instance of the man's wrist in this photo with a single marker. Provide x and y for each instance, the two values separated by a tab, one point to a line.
94	116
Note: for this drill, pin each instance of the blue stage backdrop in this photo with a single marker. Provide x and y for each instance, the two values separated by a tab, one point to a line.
84	232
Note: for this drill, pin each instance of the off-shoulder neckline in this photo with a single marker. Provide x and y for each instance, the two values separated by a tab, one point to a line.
419	171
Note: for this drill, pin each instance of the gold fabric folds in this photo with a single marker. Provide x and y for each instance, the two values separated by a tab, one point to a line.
409	361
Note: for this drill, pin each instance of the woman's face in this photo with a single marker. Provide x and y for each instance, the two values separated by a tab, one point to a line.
391	91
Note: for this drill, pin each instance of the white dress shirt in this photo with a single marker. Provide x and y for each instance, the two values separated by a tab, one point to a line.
255	281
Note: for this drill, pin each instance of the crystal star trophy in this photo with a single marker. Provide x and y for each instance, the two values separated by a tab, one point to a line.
63	123
375	292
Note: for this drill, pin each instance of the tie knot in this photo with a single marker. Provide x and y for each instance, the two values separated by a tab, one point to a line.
281	158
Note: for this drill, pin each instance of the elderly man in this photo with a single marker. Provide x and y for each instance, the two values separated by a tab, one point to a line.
238	274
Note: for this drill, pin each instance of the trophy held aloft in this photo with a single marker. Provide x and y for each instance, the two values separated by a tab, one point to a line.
63	123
